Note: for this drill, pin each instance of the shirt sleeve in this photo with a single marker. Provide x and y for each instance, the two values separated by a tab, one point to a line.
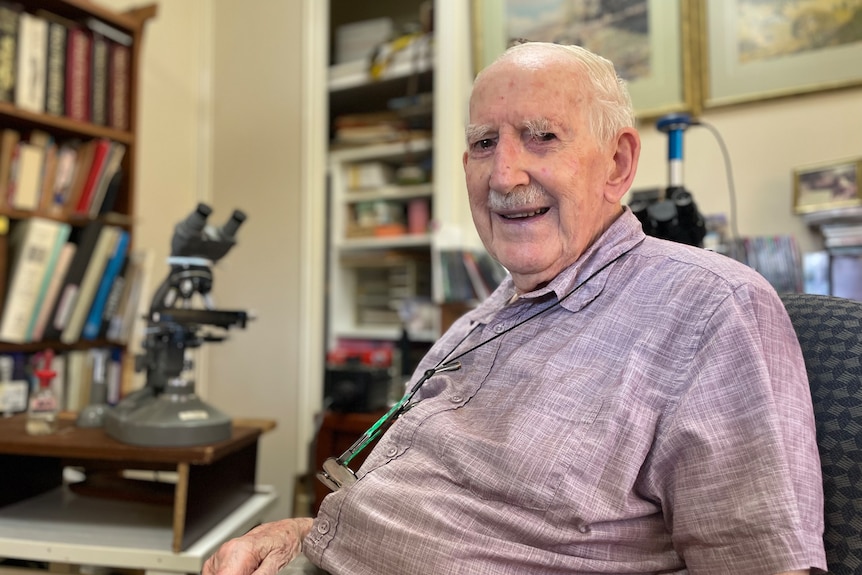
736	467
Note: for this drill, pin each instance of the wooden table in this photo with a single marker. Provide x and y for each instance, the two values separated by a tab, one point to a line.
209	482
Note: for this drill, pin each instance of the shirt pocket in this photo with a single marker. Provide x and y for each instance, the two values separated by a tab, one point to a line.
519	457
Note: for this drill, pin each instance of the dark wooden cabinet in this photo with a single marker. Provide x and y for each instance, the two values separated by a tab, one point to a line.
337	432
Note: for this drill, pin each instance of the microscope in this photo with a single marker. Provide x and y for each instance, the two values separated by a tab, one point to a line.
674	216
166	411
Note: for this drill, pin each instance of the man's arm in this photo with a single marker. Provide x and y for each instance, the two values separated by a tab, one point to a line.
262	551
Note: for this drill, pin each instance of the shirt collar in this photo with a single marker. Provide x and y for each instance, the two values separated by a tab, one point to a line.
623	234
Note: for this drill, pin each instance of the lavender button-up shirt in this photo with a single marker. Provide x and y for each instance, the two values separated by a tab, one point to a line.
657	420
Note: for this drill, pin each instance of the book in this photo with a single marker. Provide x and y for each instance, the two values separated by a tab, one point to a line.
133	304
111	193
114	375
481	289
55	82
67	158
101	151
32	62
31	242
9	17
49	174
119	85
4	257
85	240
78	46
61	267
8	145
93	321
115	294
79	374
110	169
102	252
83	163
26	185
50	272
99	80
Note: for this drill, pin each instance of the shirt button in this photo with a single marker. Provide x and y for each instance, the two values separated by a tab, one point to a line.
323	527
456	399
584	528
499	328
392	451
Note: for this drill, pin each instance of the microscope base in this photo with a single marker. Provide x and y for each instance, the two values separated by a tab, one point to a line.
167	420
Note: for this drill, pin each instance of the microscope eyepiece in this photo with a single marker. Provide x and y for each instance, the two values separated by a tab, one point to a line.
228	230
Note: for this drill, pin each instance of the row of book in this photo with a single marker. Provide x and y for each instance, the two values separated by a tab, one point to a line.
468	275
68	178
76	371
842	235
70	283
778	259
49	64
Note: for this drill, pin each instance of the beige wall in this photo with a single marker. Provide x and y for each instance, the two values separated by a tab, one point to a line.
766	140
220	120
223	107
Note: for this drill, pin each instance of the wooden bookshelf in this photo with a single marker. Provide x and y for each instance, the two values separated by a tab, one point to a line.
61	128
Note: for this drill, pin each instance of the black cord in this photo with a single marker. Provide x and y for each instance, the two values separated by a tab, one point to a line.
525	320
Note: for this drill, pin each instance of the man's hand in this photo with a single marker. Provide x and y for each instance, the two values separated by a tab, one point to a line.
262	551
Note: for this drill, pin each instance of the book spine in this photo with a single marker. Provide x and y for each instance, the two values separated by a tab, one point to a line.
9	16
119	78
33	243
32	63
55	86
93	323
95	269
47	280
99	80
78	75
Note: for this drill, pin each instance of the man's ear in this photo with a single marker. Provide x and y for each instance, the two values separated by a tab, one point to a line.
624	164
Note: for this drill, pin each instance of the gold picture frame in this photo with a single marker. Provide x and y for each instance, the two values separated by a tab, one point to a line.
827	186
757	49
663	77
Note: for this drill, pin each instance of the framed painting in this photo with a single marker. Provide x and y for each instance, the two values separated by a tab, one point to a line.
759	49
645	39
827	186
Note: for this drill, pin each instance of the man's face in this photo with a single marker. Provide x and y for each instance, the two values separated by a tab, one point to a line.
535	173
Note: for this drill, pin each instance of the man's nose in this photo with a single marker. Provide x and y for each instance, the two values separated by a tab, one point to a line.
508	169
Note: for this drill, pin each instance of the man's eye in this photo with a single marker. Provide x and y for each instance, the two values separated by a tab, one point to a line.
483	144
545	136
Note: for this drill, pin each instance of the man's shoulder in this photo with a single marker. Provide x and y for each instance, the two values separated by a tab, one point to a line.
680	257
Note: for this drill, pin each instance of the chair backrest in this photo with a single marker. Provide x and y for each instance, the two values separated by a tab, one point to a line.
830	335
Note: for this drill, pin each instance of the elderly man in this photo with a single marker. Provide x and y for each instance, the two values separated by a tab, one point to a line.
620	404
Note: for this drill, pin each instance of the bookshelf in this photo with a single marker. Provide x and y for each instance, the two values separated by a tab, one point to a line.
87	99
396	204
380	166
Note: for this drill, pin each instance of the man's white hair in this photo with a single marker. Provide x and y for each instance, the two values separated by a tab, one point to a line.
610	99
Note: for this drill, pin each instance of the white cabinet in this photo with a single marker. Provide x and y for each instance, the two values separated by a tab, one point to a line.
392	203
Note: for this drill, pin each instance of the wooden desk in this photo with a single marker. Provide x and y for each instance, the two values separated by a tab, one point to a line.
211	480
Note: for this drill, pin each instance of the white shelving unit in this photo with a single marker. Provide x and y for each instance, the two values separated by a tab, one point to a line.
358	259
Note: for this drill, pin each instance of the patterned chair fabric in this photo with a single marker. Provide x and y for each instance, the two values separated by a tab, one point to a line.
830	334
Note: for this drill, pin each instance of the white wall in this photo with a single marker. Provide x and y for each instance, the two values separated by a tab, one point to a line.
222	113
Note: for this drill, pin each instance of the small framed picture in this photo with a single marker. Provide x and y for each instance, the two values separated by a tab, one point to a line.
827	186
